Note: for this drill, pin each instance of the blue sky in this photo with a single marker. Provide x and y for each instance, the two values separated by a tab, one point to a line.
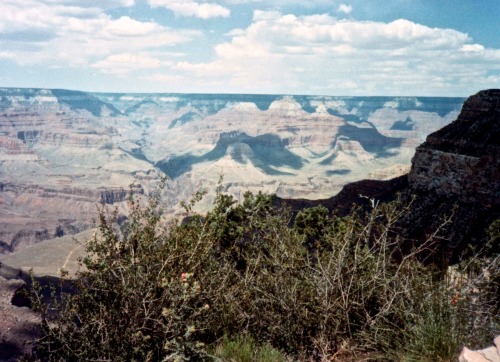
324	47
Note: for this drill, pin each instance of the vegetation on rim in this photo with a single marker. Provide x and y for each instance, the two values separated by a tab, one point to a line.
244	278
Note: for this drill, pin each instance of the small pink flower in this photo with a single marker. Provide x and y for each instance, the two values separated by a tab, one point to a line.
185	277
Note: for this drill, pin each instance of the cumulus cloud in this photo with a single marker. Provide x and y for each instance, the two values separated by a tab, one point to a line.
274	52
72	36
123	63
472	48
235	2
192	8
343	8
48	14
108	4
126	26
283	53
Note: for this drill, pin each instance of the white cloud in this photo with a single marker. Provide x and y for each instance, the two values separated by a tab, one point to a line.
472	48
235	32
47	14
79	37
236	2
343	8
126	26
261	15
124	63
274	53
7	55
319	54
192	8
108	4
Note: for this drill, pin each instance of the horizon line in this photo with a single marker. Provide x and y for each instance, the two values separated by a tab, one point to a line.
237	94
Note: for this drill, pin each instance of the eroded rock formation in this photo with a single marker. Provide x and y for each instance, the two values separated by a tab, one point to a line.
62	152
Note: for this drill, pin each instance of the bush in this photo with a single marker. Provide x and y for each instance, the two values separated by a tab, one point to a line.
327	285
139	298
458	310
244	349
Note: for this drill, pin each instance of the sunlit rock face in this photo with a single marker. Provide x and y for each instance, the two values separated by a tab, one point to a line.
62	152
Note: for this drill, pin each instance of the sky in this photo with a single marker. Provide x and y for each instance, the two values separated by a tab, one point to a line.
321	47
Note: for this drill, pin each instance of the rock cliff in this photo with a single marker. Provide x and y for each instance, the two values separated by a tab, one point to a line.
462	159
455	172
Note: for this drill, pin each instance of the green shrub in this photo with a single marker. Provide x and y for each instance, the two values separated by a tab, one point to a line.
493	238
139	298
164	292
452	312
243	348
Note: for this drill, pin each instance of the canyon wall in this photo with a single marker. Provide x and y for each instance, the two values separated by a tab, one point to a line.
63	152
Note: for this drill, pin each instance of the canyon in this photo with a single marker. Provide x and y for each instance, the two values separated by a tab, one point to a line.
63	153
454	171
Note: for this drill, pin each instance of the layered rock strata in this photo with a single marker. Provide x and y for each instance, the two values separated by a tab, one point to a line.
62	152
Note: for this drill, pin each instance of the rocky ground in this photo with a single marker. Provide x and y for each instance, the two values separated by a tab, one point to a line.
18	325
490	354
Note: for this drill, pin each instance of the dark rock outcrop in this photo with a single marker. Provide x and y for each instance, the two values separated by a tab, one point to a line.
462	159
19	326
354	194
457	170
